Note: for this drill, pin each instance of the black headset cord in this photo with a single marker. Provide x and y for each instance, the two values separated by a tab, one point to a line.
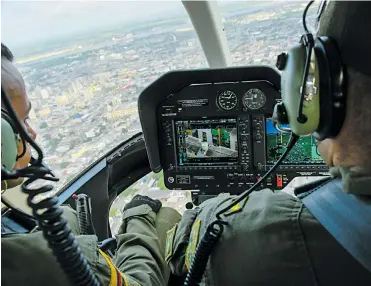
215	230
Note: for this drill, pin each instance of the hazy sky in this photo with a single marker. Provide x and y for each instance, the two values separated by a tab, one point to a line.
25	21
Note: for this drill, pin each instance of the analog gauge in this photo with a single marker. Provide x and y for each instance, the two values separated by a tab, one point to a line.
227	100
254	99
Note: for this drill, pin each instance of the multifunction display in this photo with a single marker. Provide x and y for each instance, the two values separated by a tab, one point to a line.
206	142
303	153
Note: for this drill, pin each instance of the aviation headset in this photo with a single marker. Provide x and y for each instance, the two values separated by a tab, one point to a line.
312	86
9	141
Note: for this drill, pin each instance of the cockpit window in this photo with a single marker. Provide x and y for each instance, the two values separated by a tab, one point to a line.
85	64
257	31
151	185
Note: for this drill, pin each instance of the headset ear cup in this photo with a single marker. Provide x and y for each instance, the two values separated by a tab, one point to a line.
291	85
9	145
331	88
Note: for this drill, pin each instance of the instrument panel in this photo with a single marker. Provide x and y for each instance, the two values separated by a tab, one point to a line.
209	130
218	137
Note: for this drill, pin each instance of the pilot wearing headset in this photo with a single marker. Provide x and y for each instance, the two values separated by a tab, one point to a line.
271	238
27	259
16	90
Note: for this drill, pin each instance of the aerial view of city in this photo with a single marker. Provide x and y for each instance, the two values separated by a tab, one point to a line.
84	87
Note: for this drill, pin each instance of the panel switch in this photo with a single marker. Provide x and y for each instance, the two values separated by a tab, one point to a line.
279	181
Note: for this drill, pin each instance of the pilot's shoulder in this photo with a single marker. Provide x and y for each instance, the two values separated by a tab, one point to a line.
273	198
261	208
266	208
261	204
267	199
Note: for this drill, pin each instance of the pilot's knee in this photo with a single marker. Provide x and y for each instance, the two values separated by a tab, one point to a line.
165	220
168	215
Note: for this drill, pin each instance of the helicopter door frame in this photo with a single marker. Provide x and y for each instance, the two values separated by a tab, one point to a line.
207	22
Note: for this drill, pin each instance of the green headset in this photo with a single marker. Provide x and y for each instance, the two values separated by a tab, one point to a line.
9	142
312	87
10	139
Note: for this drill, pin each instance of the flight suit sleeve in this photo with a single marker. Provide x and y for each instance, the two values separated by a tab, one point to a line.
183	238
28	260
138	255
177	241
138	260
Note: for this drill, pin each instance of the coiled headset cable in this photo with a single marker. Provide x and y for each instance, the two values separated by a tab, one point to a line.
215	229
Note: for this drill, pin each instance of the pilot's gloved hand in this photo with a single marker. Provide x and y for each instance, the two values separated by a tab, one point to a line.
139	200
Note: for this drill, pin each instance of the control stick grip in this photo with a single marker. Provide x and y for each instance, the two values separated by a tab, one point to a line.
84	214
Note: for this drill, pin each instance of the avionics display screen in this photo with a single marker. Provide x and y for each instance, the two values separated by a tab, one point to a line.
206	142
303	153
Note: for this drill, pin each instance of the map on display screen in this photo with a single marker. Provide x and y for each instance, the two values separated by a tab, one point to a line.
304	151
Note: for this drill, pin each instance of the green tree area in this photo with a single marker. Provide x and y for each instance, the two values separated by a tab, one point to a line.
63	165
129	191
161	184
112	212
159	177
43	125
53	143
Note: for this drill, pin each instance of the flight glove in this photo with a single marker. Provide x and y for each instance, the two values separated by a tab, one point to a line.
139	200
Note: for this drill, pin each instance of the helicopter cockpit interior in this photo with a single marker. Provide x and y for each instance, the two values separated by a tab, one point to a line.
193	129
178	109
209	131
